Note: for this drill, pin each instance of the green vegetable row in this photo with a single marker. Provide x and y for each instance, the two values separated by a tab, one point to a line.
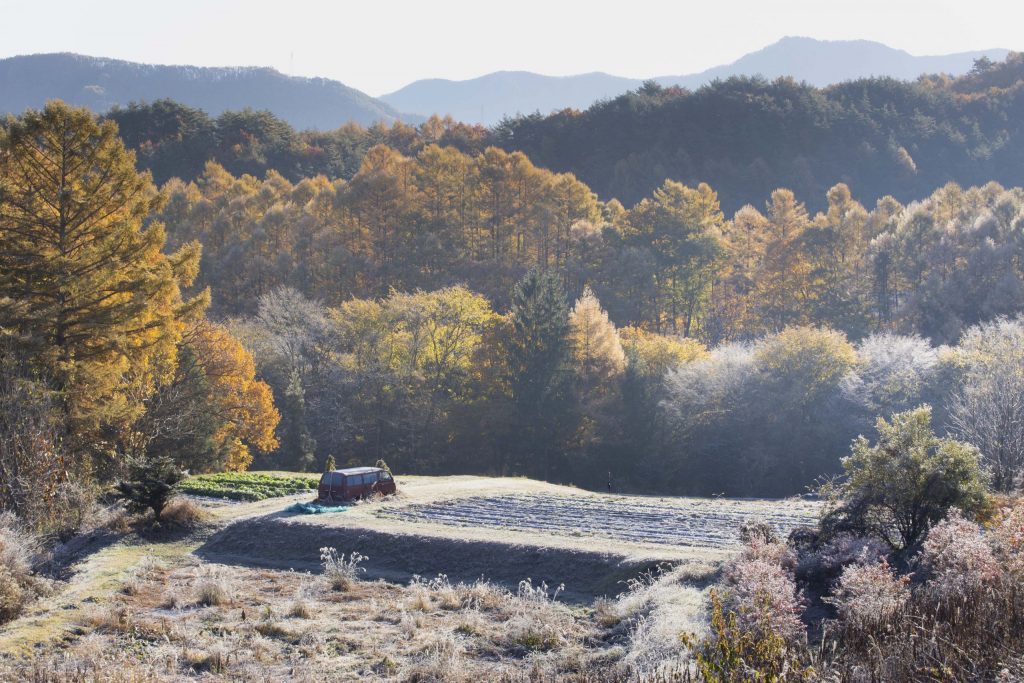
246	485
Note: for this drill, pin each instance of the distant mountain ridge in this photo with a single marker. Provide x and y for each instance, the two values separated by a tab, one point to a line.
100	84
489	98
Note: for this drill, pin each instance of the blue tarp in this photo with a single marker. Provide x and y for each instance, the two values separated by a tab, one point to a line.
313	509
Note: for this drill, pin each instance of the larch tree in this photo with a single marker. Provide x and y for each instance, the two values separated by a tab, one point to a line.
83	280
598	362
595	342
682	227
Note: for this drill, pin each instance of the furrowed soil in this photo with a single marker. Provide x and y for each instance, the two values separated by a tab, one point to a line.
505	530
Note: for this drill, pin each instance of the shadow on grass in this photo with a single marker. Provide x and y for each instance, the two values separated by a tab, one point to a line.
277	540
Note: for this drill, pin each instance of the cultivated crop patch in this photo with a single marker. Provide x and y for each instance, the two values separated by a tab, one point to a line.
246	485
697	522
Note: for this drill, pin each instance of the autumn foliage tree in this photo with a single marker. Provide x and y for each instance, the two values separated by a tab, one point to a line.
596	348
212	411
83	281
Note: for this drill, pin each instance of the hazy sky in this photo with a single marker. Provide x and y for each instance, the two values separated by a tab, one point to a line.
380	45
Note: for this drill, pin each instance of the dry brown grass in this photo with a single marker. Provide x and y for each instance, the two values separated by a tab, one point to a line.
18	584
214	588
190	619
184	514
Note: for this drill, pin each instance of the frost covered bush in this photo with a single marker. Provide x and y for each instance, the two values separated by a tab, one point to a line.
755	632
959	560
752	530
964	618
869	594
1008	541
538	622
214	588
18	585
759	589
825	563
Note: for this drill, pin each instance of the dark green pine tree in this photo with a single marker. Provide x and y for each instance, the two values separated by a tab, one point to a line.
538	353
297	444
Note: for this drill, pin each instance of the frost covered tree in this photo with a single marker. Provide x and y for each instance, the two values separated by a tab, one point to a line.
892	373
987	409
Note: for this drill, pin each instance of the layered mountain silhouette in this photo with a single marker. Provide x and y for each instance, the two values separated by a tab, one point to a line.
100	84
320	103
489	98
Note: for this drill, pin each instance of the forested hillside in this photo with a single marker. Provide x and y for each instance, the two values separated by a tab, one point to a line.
748	136
494	96
673	262
476	313
744	137
716	379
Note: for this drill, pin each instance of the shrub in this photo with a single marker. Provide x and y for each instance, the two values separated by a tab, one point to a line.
762	593
869	594
300	609
1008	541
341	573
963	623
820	565
151	485
732	652
538	623
898	488
184	514
959	560
752	530
213	589
18	585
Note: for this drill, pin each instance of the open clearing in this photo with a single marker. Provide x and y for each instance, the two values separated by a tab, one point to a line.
503	530
223	600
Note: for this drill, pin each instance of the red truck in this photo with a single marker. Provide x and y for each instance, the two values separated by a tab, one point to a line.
354	482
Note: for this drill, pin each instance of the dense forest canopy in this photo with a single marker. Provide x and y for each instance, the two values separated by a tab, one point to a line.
747	136
743	136
453	307
476	313
672	263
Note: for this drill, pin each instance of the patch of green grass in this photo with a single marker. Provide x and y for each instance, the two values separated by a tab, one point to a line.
247	485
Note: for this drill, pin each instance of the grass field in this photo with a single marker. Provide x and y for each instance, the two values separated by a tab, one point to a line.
248	485
244	596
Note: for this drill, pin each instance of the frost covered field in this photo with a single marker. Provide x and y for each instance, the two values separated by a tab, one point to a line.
696	522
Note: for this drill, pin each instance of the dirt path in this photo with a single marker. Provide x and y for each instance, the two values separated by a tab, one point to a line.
102	572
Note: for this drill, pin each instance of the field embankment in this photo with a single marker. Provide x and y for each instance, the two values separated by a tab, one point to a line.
503	530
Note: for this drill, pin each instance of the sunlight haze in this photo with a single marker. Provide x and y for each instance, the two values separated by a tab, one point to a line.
380	47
